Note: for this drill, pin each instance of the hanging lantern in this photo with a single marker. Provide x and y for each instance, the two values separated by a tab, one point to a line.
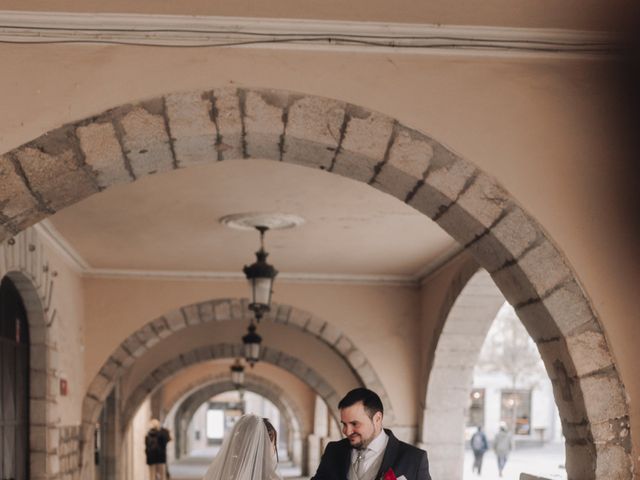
261	276
251	343
237	374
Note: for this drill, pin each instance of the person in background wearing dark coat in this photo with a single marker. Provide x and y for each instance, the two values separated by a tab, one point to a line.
479	445
155	443
369	452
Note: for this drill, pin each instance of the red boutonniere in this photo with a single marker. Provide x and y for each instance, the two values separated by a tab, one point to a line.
389	475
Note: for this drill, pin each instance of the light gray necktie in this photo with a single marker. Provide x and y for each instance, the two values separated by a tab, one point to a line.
359	464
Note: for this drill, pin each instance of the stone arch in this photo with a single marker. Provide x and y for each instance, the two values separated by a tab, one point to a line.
192	400
220	310
24	261
178	130
253	383
227	351
451	375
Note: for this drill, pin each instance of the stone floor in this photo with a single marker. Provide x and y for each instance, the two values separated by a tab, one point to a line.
195	466
546	461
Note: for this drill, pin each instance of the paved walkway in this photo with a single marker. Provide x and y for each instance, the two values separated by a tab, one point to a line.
547	462
194	466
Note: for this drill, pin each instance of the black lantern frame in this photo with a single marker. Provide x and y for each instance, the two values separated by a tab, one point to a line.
237	374
261	276
251	343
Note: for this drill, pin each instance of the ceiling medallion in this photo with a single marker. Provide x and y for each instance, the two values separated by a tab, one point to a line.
251	220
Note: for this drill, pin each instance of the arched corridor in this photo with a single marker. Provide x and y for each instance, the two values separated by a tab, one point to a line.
134	297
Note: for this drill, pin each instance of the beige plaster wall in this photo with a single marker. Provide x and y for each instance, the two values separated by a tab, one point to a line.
545	127
66	335
378	319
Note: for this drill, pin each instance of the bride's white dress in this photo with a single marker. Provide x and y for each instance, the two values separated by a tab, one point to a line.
246	453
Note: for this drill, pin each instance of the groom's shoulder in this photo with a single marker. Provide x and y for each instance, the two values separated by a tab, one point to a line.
406	447
337	446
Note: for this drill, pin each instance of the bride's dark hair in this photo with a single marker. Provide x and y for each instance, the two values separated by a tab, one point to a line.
273	435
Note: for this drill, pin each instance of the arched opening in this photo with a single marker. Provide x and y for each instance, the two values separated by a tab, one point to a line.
207	422
473	208
14	383
24	263
512	402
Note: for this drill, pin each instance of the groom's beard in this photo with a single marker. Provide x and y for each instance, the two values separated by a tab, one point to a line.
361	442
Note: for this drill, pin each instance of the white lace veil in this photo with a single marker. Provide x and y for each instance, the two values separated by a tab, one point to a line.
246	453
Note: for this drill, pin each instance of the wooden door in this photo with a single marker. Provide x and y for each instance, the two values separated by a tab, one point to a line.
14	384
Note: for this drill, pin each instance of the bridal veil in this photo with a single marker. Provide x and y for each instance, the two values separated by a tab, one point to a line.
246	453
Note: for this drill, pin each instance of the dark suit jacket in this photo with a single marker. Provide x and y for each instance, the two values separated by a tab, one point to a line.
403	458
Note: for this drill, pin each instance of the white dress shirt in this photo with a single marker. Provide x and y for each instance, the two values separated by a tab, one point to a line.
373	456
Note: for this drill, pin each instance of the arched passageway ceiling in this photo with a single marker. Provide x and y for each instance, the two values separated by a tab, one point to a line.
275	357
450	379
176	131
299	395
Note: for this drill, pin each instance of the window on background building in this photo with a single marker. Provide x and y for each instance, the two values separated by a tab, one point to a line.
476	408
215	424
515	411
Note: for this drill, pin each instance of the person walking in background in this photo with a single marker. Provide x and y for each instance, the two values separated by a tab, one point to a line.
155	443
502	446
479	446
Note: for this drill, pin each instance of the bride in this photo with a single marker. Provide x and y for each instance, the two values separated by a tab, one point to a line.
247	453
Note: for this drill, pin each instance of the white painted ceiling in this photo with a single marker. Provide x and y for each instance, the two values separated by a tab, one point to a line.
169	223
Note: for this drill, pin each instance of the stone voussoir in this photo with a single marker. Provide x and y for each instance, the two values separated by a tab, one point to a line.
263	126
100	387
604	396
364	144
343	345
58	178
506	241
123	357
192	129
330	334
313	124
192	315
229	123
538	322
613	463
544	267
175	319
447	176
103	153
222	310
408	159
161	327
589	352
515	286
135	346
146	142
570	309
615	431
315	325
581	461
555	356
18	205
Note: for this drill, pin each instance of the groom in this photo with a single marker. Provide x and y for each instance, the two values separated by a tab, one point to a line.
369	451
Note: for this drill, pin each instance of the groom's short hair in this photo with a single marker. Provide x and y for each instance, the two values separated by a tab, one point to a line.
370	400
